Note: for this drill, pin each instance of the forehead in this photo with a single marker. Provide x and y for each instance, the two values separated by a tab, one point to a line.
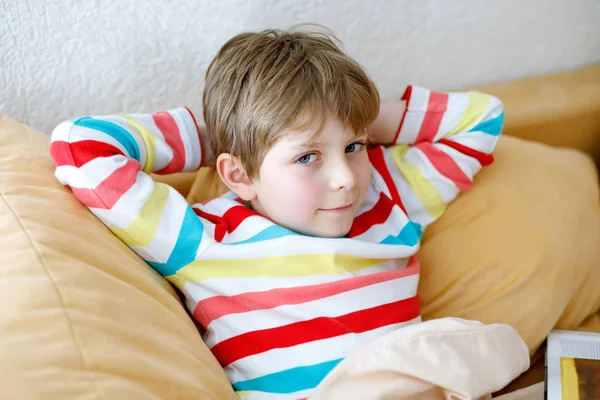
332	131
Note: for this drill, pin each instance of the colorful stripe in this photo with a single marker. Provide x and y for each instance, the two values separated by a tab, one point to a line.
438	102
170	131
111	189
378	162
478	104
432	201
289	381
445	165
375	216
149	142
215	307
115	131
143	228
298	265
230	350
186	247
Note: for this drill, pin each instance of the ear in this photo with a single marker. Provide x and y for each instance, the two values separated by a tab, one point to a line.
233	174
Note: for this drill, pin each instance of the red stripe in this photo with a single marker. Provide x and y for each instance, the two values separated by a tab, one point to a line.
80	153
406	97
167	125
484	159
376	215
219	222
446	165
438	102
109	191
61	153
256	342
199	136
236	215
378	162
218	306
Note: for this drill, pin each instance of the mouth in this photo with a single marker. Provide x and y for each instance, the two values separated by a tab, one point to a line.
341	209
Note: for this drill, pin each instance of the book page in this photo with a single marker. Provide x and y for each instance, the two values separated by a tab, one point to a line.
573	365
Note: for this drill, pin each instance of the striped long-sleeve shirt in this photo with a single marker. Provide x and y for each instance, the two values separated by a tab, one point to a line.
280	309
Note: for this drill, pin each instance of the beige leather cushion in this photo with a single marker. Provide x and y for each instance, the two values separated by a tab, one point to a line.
522	247
81	316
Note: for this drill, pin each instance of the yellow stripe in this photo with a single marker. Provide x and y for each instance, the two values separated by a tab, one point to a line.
478	104
142	229
568	379
425	191
280	266
150	141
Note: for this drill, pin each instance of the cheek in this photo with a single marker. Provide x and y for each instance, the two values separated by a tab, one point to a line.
291	190
362	171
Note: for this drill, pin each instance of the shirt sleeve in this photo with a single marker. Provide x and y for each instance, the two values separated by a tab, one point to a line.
106	161
443	140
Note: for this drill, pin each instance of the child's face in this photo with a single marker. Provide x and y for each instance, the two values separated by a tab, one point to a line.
314	188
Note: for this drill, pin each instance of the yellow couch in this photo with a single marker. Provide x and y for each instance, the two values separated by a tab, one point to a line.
83	317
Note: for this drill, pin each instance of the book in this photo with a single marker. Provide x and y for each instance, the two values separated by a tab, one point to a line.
573	365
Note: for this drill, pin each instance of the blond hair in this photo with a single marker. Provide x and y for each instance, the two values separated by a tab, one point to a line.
260	85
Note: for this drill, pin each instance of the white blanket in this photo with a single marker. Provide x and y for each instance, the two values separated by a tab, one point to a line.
448	358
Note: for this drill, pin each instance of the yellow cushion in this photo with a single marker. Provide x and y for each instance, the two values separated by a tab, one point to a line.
522	247
82	316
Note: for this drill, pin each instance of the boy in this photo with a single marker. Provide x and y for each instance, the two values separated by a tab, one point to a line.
312	253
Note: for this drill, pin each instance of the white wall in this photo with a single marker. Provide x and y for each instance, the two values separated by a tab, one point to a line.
65	58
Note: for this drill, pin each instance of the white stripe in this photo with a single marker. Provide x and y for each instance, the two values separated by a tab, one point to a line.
393	225
193	131
137	136
413	117
298	244
371	198
62	132
377	179
476	140
414	206
129	205
363	298
191	146
234	286
169	226
495	108
456	107
249	228
90	175
304	354
444	186
257	395
163	153
468	165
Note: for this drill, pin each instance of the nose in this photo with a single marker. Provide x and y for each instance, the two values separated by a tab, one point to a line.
341	176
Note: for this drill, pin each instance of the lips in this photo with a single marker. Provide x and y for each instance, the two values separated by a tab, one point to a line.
339	209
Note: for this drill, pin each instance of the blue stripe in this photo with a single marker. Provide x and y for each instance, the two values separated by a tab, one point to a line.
491	126
118	133
186	246
272	232
408	236
290	380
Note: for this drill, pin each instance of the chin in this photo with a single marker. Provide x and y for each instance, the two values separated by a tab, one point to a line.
334	233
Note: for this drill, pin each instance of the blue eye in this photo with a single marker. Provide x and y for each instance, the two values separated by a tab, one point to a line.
307	158
354	147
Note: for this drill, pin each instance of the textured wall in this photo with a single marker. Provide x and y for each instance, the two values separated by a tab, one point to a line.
65	58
